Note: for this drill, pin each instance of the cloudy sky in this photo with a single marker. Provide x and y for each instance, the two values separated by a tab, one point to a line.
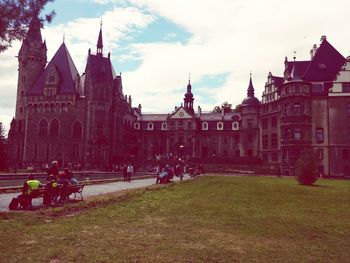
156	44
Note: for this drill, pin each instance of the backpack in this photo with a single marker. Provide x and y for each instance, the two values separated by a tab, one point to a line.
14	204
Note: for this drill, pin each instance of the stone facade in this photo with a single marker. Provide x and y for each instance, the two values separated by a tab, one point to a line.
62	115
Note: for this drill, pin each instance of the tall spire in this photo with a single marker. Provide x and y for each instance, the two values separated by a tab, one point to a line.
34	34
250	91
188	100
99	41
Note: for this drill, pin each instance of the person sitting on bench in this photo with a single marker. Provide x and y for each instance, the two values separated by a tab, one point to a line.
52	191
28	187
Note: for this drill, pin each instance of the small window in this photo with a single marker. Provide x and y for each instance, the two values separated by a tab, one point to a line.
164	126
136	126
297	134
220	126
22	93
150	126
23	79
319	135
205	126
235	126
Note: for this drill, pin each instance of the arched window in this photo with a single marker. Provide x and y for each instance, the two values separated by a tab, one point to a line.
77	130
43	127
54	127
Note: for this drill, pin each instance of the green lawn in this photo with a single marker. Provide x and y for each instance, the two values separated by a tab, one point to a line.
212	219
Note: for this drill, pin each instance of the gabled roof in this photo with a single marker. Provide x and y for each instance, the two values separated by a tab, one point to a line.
100	68
66	69
325	64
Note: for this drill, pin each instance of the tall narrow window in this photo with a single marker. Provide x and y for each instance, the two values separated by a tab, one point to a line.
319	135
43	126
265	141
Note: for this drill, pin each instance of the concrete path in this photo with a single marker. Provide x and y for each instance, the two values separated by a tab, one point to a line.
90	190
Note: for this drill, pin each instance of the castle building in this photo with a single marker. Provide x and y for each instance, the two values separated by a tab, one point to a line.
64	116
72	118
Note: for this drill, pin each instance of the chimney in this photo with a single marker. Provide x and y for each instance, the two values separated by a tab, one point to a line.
222	111
130	100
323	38
140	108
109	55
199	111
126	97
311	53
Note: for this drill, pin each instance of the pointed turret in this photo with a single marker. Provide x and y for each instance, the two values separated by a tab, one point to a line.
250	90
250	99
188	100
34	34
100	42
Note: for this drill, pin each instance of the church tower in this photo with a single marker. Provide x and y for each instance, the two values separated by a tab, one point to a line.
188	100
31	63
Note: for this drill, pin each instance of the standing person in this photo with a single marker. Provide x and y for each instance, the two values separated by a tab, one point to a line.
53	170
125	172
130	171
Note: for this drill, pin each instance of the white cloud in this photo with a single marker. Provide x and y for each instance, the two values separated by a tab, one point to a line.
232	37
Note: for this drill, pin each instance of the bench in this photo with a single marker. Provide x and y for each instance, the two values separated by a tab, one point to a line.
67	190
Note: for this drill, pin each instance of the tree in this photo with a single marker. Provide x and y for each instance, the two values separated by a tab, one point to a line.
3	146
224	106
306	168
15	18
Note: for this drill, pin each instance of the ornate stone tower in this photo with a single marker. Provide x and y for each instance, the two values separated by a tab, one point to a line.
31	63
249	126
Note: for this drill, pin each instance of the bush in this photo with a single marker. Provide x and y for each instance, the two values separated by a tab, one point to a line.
306	168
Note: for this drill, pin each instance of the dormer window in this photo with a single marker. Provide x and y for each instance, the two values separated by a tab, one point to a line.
204	126
235	126
150	126
136	125
220	126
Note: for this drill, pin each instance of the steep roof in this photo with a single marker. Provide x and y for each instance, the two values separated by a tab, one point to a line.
100	68
325	64
66	69
299	66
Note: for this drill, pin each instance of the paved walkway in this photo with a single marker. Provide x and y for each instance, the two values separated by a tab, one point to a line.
90	190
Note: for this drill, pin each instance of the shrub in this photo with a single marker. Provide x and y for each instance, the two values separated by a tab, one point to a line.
306	168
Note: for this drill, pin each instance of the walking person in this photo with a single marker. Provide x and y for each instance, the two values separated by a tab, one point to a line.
125	172
130	171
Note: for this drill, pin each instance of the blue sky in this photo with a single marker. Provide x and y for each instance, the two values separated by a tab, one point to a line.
156	44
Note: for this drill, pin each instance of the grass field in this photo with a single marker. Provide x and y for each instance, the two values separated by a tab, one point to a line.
212	219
